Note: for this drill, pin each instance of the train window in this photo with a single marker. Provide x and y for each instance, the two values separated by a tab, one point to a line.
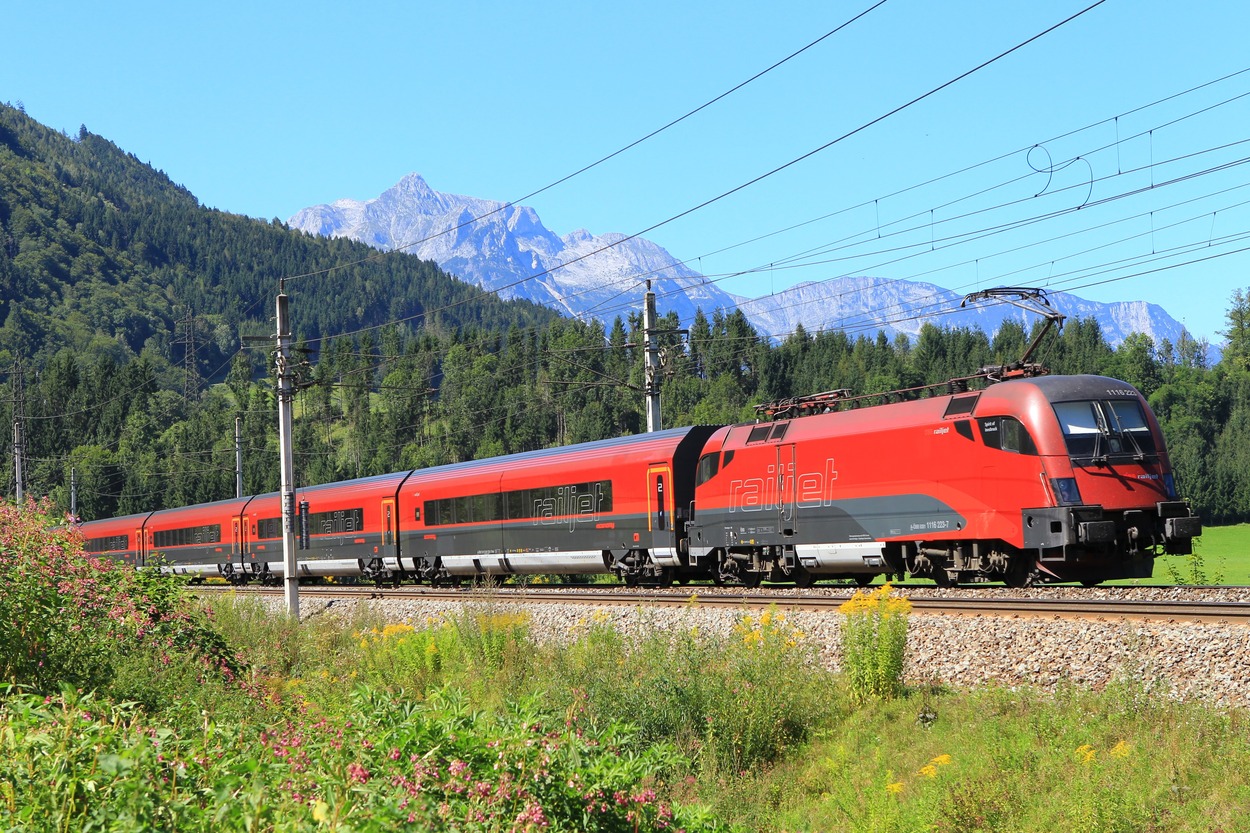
336	522
206	534
111	543
759	433
1008	434
1014	437
1130	422
709	464
729	455
570	499
517	500
1101	428
779	431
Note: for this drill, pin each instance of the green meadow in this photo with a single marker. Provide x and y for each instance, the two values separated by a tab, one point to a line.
131	705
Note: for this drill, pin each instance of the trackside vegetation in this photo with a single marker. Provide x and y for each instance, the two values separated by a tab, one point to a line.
128	704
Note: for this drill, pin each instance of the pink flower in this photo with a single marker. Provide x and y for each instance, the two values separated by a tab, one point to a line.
357	773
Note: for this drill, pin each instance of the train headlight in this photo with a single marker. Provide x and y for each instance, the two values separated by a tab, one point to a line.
1169	484
1065	490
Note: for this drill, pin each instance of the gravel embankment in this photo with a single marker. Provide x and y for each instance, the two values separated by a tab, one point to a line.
1209	662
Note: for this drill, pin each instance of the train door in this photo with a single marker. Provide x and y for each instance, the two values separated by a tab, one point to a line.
236	539
660	512
139	551
388	527
787	490
249	534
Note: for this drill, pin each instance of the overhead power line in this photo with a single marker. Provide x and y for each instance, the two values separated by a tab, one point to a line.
600	161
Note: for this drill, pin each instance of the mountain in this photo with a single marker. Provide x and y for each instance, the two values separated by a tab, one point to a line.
505	248
101	253
866	305
509	244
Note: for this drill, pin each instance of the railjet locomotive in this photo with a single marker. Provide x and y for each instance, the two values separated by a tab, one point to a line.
1052	478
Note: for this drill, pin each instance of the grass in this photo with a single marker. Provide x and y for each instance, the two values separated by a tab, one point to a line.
1225	551
998	760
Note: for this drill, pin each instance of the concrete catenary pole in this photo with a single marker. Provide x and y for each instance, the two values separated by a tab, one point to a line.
651	381
17	457
286	395
238	456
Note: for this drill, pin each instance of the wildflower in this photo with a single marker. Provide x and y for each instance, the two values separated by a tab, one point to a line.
1121	750
321	812
941	760
356	772
1085	753
894	788
928	771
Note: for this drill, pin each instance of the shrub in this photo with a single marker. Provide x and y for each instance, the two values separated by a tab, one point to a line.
72	762
66	617
730	705
874	641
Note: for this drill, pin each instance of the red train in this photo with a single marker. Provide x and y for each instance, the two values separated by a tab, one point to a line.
1052	478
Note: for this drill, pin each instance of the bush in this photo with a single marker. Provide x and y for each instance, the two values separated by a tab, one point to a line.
874	641
72	762
70	618
731	705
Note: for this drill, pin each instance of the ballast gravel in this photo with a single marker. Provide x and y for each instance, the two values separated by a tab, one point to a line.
1183	660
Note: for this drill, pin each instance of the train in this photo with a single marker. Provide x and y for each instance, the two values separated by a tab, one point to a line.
1033	479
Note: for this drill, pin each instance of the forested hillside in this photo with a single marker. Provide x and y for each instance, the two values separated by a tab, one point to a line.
123	301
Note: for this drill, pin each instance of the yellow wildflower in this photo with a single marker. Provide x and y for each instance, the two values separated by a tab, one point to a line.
941	760
321	812
1085	753
928	771
894	788
1121	749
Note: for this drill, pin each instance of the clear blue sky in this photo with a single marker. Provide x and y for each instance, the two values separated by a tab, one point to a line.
266	108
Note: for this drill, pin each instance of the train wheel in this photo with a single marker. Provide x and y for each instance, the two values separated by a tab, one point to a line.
1018	574
863	580
802	578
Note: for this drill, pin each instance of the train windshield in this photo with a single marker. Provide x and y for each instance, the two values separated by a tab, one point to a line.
1102	429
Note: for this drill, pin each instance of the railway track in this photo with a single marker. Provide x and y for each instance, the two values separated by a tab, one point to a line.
1079	604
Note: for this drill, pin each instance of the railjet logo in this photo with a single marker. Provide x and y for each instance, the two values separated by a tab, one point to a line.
808	489
571	505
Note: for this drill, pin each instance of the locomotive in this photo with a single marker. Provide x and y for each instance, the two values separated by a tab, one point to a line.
1045	478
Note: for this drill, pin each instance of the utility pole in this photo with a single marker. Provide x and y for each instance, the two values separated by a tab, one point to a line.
190	378
238	456
286	395
73	493
19	415
651	378
17	457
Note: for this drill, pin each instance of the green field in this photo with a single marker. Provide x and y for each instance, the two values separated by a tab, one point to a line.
1221	556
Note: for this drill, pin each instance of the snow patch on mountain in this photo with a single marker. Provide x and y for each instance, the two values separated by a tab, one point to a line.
505	248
